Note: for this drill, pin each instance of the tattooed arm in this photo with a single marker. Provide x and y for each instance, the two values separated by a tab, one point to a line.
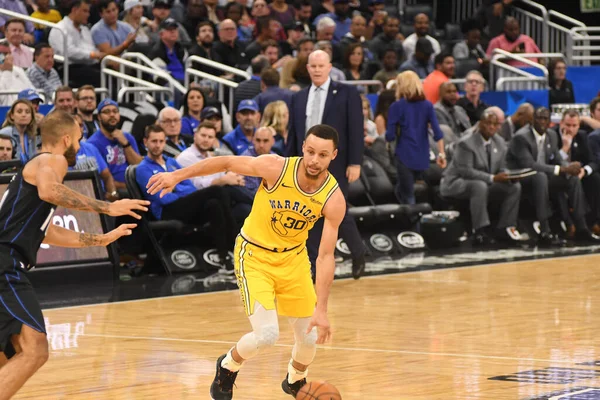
61	237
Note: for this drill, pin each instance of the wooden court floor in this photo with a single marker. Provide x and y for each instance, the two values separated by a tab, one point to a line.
427	335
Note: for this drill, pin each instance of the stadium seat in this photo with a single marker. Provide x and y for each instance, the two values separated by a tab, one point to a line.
410	11
138	128
464	66
453	32
157	231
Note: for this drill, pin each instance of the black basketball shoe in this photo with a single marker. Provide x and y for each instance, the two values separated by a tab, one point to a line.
222	386
294	388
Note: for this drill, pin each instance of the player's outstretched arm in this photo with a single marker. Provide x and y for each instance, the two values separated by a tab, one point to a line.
268	167
48	178
334	212
61	237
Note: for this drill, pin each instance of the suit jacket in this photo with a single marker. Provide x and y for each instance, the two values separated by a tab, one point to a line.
594	143
507	130
522	152
459	123
580	149
343	111
470	160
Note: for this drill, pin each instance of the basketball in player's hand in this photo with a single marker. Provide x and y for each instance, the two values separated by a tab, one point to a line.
318	391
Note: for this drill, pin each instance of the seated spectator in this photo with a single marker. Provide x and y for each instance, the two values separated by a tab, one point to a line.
421	31
168	52
83	56
169	120
388	39
561	89
86	105
575	147
185	203
267	28
34	98
270	49
248	118
385	100
160	11
295	33
376	17
390	68
7	152
358	28
336	74
472	102
592	122
119	149
193	103
41	73
89	159
353	65
235	12
16	6
14	30
204	48
471	46
370	128
444	71
513	41
229	49
477	173
491	16
532	147
44	12
270	90
110	35
134	16
277	117
523	116
214	12
64	99
21	126
450	114
214	116
303	15
190	14
420	63
282	12
12	78
340	17
262	143
251	88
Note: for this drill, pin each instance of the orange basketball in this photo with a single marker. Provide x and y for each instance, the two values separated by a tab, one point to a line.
318	391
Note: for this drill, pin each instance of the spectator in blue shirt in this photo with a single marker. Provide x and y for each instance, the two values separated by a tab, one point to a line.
248	118
341	18
408	122
420	63
185	203
168	52
110	35
193	103
262	143
118	149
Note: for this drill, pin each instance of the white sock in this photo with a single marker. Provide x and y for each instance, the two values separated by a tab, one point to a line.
230	364
294	375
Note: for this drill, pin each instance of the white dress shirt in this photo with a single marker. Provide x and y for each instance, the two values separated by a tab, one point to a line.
324	89
79	41
192	155
410	43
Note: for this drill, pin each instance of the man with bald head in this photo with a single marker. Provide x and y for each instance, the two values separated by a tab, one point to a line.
229	50
523	116
448	113
262	143
513	41
477	172
421	31
338	105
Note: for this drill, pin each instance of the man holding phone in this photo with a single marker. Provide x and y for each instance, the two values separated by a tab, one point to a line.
513	41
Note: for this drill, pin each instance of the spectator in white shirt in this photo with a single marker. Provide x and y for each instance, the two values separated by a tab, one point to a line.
421	30
11	77
15	32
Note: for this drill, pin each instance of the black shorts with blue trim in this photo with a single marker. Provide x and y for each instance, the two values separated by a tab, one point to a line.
18	303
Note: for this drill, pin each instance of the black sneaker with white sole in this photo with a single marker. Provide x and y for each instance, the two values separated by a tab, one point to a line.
222	386
292	388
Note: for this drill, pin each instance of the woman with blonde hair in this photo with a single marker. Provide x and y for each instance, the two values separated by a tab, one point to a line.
408	122
21	126
277	116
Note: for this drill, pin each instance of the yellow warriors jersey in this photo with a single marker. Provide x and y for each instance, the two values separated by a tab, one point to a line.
282	216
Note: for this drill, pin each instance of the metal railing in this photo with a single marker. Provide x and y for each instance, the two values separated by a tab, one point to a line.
50	25
464	9
222	82
535	26
366	83
124	91
559	30
141	58
214	65
579	45
504	73
8	92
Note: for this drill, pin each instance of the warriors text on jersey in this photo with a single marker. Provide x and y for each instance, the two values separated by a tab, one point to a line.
24	218
282	216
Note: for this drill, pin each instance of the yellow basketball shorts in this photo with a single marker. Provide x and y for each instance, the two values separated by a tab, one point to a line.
264	276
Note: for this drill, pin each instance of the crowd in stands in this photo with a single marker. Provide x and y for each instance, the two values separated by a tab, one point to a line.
459	143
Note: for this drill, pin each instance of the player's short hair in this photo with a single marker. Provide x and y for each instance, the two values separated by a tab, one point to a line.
154	128
325	132
52	127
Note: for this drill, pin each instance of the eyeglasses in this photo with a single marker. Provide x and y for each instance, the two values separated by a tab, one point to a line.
170	121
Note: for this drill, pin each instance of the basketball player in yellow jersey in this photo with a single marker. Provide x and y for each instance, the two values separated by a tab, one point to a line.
271	260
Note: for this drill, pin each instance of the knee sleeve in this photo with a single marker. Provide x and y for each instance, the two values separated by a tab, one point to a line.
265	332
305	346
267	336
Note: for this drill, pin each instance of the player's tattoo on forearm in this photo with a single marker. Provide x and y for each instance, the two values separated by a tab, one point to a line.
68	198
89	239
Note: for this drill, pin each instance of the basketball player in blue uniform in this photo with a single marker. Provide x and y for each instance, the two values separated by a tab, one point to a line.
26	211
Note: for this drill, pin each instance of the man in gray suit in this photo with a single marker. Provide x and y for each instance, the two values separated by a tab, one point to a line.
523	116
448	113
477	173
532	147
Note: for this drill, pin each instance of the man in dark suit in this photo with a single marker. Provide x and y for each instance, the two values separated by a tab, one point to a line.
250	88
270	90
477	173
532	147
523	116
575	147
337	105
